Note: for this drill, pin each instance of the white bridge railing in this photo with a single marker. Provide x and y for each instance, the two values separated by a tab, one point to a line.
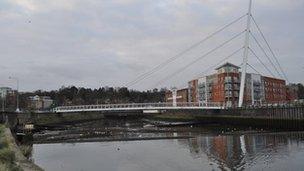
138	106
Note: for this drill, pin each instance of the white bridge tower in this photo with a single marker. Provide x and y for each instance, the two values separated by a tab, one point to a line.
245	57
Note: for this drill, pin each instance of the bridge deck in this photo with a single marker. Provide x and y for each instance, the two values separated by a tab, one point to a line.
136	106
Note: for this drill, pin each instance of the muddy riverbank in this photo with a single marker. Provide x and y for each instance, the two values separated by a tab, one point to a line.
127	129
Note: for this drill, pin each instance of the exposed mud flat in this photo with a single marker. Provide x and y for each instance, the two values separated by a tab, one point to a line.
128	129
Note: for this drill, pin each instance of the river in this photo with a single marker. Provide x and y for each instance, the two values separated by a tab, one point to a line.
202	150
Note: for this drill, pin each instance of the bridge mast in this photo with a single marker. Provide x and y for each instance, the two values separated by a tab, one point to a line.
245	57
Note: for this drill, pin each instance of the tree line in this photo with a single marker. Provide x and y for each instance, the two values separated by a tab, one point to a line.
72	95
300	91
104	95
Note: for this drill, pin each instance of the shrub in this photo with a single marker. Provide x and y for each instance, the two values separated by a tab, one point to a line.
3	144
9	167
26	150
6	155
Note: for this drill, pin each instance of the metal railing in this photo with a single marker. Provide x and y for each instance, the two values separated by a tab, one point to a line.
137	106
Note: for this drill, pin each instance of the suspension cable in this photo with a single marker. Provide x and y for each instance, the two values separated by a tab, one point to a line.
158	67
217	64
254	68
270	49
198	59
263	50
261	62
221	61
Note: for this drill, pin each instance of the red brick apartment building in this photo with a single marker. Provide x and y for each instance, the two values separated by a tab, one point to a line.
227	85
275	90
224	87
258	89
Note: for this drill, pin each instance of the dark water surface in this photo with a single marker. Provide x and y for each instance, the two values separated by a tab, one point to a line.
260	151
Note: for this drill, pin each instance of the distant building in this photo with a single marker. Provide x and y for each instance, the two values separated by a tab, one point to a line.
39	102
181	96
224	87
11	99
8	97
4	91
193	90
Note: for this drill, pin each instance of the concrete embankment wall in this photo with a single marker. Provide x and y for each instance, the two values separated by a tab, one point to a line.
57	118
276	117
61	118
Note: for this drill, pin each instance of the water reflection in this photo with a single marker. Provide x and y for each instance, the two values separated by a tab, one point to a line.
268	151
240	152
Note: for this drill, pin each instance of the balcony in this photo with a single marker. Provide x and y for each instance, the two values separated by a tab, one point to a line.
228	82
228	94
228	88
236	81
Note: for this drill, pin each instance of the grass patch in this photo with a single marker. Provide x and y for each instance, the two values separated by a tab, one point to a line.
7	156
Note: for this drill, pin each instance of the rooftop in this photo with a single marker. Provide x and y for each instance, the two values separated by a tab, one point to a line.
227	64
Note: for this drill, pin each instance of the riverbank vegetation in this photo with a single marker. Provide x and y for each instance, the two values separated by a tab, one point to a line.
83	96
7	156
12	158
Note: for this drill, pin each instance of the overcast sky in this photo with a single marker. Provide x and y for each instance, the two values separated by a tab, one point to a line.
93	43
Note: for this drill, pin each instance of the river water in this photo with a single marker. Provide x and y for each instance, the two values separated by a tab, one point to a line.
237	151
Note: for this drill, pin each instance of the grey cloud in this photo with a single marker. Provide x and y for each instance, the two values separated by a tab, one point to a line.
91	43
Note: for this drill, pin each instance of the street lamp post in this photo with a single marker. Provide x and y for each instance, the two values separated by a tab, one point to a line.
2	98
228	85
17	94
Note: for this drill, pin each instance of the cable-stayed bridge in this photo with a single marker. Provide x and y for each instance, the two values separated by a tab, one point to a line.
268	60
